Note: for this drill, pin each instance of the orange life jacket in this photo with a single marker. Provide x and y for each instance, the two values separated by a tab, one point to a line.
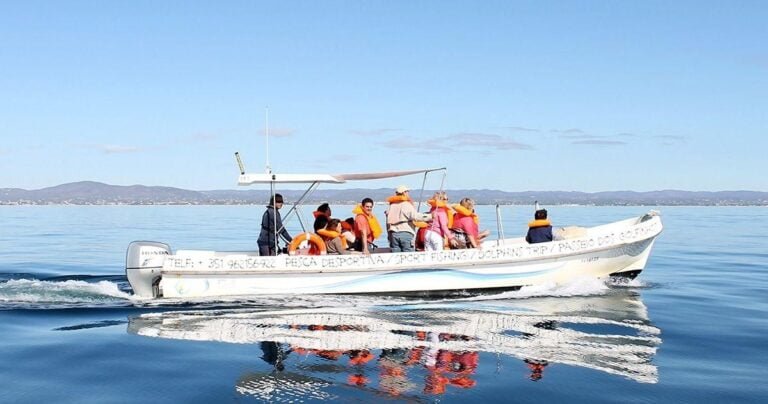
464	212
444	206
399	198
373	223
463	382
329	235
539	223
357	380
405	198
361	359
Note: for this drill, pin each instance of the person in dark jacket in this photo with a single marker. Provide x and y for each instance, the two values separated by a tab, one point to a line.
540	229
322	216
270	221
274	354
320	222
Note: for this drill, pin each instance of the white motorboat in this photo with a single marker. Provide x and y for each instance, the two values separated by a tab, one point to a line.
617	249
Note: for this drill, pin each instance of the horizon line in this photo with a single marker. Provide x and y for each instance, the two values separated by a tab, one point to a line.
379	188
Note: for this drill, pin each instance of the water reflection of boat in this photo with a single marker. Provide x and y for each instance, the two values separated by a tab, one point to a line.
429	345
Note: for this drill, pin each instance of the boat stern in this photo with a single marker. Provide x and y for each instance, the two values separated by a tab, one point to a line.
143	266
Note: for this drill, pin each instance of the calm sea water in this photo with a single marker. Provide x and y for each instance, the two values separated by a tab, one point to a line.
691	328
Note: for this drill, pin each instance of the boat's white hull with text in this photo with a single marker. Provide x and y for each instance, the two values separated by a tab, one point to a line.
621	248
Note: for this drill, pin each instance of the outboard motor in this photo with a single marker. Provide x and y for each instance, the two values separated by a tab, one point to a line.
143	265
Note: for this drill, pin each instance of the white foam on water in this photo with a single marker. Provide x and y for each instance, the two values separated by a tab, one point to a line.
37	292
627	283
586	286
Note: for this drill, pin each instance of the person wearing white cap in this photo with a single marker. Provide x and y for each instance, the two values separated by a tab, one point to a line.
400	217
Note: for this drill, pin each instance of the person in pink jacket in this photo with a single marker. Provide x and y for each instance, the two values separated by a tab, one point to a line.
438	231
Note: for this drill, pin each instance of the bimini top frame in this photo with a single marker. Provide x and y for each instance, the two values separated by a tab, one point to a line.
314	180
250	179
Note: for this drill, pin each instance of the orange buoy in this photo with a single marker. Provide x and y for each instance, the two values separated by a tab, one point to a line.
316	244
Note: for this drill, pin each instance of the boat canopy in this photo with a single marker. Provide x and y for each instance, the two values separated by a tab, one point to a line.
250	179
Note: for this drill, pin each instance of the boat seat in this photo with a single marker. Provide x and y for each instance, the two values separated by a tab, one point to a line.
565	233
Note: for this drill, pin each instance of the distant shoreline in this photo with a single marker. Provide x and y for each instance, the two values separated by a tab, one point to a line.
96	193
348	203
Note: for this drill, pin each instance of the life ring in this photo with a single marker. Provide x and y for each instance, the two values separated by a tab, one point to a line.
316	244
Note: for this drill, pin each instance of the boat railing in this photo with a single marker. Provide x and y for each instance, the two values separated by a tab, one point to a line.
296	208
499	226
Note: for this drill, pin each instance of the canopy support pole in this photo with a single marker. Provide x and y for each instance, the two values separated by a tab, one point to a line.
421	194
499	226
295	207
424	183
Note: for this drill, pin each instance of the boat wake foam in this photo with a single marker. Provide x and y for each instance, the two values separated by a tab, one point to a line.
32	293
579	287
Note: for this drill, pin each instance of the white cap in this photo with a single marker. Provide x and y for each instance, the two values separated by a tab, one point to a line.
402	189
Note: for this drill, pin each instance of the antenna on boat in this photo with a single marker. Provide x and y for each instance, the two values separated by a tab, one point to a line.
240	163
271	183
266	133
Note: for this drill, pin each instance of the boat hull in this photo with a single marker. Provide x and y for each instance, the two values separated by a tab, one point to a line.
620	248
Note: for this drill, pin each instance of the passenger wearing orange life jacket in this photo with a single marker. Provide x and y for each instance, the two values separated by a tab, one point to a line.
367	227
348	231
466	225
331	234
438	230
537	368
401	216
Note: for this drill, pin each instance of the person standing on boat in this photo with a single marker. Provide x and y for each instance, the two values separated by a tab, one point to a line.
367	227
540	229
438	231
401	216
270	221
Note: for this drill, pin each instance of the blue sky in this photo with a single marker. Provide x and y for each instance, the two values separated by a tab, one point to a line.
512	95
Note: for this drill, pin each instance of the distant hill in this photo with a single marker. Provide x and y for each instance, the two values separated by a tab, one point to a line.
97	193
